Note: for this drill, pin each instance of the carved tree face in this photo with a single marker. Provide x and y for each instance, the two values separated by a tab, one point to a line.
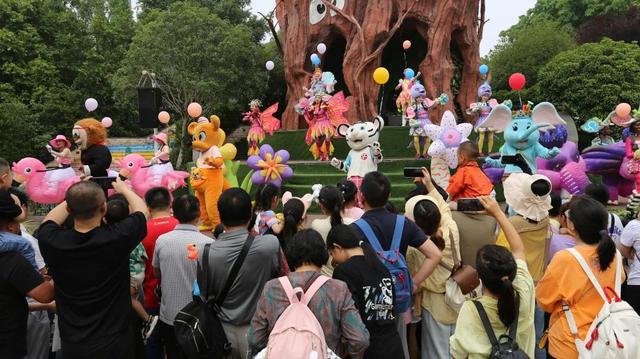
318	10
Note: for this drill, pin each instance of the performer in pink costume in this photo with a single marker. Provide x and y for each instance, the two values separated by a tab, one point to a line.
633	151
261	123
60	149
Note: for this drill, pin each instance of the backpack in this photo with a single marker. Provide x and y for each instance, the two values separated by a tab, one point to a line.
198	328
394	261
614	331
506	346
297	334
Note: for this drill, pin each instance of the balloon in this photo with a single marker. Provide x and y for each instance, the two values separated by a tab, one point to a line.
381	76
406	44
270	65
322	48
194	109
484	69
91	104
164	117
315	59
107	122
623	109
409	73
203	119
517	81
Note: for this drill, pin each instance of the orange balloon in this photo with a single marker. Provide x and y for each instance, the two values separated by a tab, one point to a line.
406	44
194	110
623	109
164	117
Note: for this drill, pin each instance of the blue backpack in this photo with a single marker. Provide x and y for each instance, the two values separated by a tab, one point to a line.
394	261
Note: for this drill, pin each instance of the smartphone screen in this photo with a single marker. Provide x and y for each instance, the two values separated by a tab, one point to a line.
413	172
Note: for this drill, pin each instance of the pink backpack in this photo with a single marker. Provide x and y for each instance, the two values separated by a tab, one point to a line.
297	334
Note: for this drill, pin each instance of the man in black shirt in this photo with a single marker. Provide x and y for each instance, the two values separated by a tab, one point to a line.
18	279
90	266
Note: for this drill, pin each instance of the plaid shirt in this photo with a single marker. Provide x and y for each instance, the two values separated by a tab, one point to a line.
332	305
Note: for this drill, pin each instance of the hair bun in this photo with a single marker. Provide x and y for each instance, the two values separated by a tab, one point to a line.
604	233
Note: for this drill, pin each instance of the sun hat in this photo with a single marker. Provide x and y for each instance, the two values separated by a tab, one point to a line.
161	137
54	142
520	197
411	205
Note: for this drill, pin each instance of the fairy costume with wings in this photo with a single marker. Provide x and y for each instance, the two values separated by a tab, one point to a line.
322	113
482	109
261	123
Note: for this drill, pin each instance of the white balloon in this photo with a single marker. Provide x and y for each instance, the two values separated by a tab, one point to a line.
322	48
270	65
91	104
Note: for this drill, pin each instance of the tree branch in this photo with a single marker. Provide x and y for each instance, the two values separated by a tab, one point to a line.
274	33
483	10
351	19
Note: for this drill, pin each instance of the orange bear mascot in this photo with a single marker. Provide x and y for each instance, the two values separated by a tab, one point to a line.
207	178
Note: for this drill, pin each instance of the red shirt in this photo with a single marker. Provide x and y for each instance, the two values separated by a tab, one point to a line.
469	182
155	228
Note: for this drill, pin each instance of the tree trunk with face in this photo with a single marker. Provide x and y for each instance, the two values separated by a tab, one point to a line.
368	26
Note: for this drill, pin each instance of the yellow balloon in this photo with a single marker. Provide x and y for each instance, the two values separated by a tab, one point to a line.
381	76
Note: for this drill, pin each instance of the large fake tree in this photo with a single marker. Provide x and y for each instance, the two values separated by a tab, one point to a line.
368	26
196	56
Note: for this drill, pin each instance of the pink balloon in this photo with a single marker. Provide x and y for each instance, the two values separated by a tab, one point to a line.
623	109
164	117
194	109
406	44
107	122
91	104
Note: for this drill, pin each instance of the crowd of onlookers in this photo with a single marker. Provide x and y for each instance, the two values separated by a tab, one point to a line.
106	277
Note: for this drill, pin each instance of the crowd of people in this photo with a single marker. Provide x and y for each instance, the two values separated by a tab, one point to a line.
106	277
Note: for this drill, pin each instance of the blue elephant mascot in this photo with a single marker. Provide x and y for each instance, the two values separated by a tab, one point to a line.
522	135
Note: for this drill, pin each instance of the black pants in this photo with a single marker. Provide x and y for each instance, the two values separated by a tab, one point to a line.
631	295
171	347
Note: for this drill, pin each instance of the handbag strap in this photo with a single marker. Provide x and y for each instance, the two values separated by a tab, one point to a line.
486	323
234	270
205	269
454	253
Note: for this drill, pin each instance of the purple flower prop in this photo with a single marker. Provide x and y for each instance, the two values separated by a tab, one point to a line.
447	138
270	166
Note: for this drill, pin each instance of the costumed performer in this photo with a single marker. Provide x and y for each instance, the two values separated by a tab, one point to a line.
632	145
260	122
404	98
91	137
160	163
60	149
601	128
418	115
482	109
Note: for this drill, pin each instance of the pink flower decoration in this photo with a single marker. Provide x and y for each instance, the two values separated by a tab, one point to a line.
447	138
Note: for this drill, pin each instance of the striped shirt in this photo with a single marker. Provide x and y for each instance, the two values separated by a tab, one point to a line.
178	272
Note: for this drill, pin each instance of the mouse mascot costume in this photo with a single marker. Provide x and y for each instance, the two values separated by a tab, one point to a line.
91	138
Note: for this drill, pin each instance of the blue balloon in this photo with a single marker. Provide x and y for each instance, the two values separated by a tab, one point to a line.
484	69
409	73
315	59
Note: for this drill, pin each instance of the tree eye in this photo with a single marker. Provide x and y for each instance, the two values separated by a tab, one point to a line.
317	11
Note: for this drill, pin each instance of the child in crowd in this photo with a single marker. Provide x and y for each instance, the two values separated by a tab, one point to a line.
294	213
118	210
372	288
349	194
566	287
600	193
508	296
265	202
469	181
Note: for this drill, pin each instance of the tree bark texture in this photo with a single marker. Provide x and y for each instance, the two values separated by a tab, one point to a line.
368	26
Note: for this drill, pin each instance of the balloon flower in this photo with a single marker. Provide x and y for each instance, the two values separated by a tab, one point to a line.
270	166
447	138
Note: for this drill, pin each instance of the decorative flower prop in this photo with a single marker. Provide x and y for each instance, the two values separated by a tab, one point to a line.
270	166
447	137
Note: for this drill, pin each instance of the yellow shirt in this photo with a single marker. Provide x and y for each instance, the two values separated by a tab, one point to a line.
433	288
470	339
565	281
535	237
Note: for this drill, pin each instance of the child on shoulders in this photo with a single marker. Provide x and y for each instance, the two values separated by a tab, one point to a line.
469	181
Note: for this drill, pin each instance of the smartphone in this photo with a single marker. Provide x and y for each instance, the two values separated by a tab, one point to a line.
104	182
413	172
470	205
516	160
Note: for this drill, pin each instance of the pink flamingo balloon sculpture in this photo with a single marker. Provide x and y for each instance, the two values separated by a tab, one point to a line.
46	186
135	168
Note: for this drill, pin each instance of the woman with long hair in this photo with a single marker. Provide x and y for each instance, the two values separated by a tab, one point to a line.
350	195
565	282
507	285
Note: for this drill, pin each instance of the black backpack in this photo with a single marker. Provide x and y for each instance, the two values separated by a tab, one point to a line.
504	347
197	326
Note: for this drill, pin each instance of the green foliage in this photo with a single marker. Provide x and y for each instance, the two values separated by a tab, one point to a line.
591	79
571	13
18	123
526	50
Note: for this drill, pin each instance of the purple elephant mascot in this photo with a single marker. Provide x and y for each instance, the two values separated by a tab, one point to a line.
567	171
611	163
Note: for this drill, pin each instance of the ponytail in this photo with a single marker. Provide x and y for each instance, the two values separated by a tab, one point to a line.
606	250
507	303
293	212
497	270
331	199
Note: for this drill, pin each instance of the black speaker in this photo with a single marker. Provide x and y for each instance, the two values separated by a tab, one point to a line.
149	104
